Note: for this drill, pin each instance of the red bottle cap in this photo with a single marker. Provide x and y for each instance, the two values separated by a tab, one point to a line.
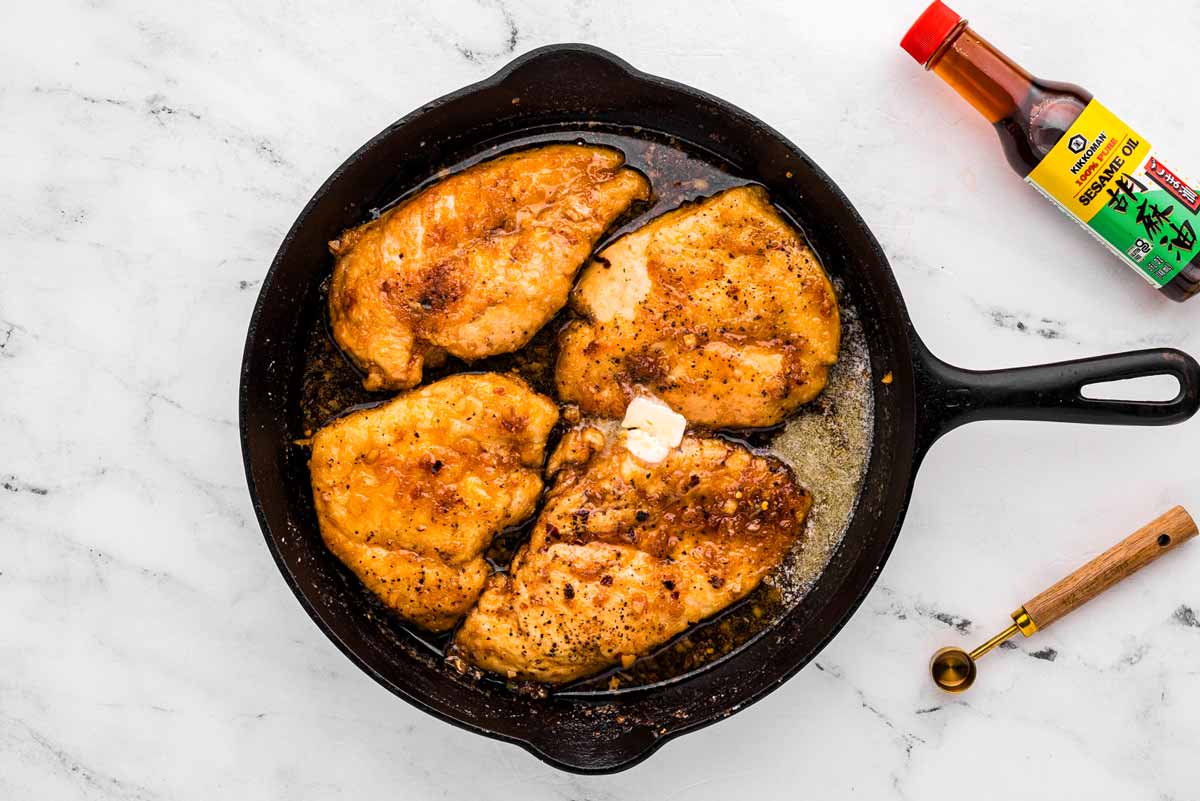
929	31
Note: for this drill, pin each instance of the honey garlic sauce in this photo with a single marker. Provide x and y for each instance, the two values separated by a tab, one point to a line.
826	443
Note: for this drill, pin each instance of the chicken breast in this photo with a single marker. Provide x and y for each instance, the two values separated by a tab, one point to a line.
626	555
410	494
474	265
719	308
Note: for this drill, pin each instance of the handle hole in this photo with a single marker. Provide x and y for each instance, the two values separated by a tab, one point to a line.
1146	388
1164	540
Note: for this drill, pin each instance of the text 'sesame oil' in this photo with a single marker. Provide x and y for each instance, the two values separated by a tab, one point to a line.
1073	150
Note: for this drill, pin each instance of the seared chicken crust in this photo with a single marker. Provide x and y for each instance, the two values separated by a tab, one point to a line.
719	308
474	265
410	494
625	555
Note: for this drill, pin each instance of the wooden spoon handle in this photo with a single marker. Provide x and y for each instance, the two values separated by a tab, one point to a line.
1123	559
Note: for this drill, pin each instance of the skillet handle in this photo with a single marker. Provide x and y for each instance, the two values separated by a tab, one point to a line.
953	396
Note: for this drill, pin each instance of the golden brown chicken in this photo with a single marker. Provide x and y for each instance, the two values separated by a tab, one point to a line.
410	494
474	265
625	555
718	308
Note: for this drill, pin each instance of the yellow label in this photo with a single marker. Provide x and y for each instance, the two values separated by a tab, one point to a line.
1106	176
1089	160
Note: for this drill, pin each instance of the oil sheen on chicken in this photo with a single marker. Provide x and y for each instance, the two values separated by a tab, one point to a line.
625	554
718	308
474	265
410	494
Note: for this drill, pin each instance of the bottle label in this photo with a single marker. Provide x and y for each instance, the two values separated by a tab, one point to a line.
1109	178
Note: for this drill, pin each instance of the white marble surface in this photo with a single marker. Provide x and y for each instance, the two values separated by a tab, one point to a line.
153	156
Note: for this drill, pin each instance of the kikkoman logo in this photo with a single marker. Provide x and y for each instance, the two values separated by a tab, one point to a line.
1078	144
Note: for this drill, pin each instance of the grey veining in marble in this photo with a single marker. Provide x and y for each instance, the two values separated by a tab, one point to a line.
153	155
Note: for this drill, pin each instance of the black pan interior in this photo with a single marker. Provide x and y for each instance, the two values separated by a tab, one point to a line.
563	92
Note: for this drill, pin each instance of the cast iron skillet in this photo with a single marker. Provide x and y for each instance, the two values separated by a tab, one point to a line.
570	85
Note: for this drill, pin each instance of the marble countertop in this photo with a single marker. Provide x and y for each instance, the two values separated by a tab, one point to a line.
153	157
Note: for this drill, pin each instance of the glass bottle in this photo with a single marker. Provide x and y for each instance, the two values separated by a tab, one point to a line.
1105	175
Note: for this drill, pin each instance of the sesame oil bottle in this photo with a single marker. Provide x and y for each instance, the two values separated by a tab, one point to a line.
1074	151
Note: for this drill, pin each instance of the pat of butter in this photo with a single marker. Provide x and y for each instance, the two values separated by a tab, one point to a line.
653	429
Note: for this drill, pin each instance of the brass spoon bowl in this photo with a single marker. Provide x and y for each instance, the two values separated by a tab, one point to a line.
953	669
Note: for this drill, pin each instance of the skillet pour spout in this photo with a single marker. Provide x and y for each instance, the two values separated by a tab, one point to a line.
569	91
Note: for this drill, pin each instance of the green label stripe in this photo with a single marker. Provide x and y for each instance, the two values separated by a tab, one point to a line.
1153	230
